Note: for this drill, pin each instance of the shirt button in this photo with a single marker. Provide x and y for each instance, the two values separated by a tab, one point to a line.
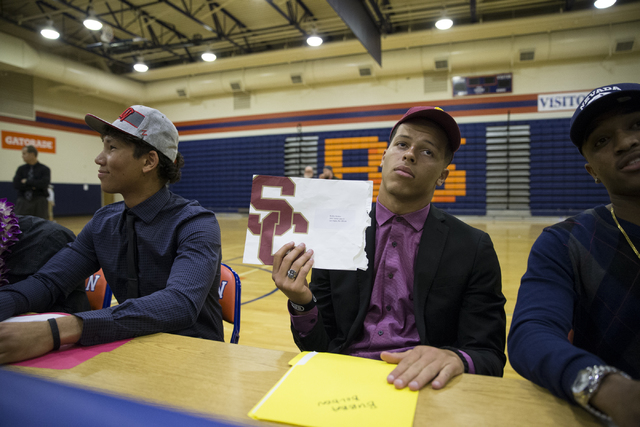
390	275
380	333
394	244
388	308
398	218
411	297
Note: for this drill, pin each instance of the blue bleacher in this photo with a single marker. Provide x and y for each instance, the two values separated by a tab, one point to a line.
218	172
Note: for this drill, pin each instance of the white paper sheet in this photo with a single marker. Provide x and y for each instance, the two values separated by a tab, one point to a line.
328	216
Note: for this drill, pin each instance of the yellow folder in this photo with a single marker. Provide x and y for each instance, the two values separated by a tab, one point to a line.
332	390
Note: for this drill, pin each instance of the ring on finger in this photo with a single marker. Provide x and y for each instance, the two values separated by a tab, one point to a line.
292	274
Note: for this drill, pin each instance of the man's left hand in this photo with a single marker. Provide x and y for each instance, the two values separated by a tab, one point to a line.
421	365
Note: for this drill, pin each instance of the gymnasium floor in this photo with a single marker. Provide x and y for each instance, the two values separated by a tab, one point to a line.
265	320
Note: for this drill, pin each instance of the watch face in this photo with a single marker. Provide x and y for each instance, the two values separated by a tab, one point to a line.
581	382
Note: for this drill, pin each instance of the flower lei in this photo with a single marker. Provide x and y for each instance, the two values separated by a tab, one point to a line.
9	230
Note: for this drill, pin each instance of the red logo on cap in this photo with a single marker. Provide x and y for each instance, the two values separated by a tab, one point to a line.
129	111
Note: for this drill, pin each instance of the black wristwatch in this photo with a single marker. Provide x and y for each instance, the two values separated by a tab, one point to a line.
303	308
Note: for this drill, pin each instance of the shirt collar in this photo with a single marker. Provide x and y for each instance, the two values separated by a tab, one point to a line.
148	209
415	219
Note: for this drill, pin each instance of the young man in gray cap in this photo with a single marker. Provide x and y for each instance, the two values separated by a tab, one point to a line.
576	325
159	253
431	300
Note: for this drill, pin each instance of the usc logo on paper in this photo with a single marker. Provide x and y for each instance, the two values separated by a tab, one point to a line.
281	217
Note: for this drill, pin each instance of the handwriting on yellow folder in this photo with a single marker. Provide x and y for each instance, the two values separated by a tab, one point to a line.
332	390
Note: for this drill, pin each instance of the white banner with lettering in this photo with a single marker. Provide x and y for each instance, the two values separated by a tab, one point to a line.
560	101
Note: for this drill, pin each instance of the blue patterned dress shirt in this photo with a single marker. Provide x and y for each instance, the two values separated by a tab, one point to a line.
178	263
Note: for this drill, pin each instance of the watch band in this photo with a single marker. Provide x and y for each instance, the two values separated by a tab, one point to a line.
593	376
465	363
55	332
306	307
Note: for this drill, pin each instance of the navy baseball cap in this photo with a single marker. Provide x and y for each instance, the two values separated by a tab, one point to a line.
438	116
600	101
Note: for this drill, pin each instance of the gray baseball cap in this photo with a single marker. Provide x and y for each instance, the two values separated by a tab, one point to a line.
146	123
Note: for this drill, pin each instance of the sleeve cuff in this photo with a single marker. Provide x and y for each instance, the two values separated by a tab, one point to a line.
469	367
97	327
303	323
7	306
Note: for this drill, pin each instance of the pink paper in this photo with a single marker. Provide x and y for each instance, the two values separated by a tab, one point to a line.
71	357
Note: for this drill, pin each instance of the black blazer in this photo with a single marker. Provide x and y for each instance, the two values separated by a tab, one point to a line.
39	184
457	295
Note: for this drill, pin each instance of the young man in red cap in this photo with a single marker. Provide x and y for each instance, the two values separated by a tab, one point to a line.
159	252
431	300
576	326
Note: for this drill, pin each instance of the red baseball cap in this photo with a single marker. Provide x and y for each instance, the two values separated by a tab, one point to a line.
438	116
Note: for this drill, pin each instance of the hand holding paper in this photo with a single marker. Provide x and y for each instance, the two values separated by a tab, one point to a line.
293	258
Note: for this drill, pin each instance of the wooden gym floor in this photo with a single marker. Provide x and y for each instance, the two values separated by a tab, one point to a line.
265	319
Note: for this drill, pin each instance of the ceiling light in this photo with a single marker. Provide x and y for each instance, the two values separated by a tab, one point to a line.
603	4
314	40
92	22
444	24
49	32
140	66
208	56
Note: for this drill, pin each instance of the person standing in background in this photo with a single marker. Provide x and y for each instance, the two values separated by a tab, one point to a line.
51	201
32	182
327	173
308	172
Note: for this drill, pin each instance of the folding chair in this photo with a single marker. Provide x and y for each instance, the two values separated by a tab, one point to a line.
98	291
229	297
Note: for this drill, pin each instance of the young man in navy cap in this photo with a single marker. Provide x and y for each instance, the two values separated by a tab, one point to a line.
159	253
431	299
576	325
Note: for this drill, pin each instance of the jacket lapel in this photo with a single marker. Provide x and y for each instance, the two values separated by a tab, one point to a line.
432	242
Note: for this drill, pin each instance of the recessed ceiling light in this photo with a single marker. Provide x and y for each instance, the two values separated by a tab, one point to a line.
444	24
91	22
48	32
208	56
140	66
314	40
603	4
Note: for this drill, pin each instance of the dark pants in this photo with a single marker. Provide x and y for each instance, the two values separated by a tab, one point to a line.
38	206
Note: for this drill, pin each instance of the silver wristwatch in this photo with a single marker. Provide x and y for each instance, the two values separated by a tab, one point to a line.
586	384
